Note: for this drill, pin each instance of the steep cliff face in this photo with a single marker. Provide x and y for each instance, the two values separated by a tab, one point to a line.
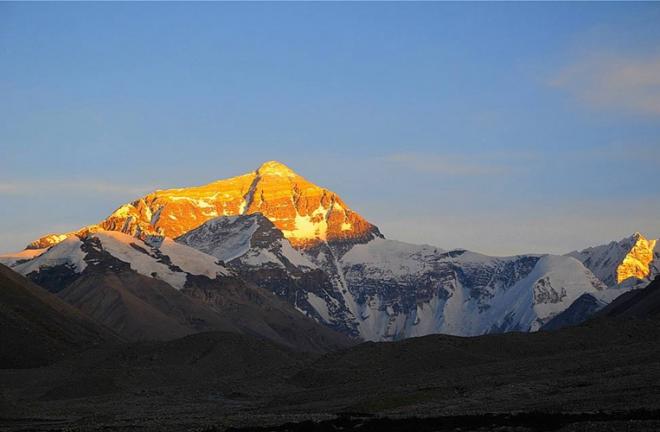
637	263
305	213
625	263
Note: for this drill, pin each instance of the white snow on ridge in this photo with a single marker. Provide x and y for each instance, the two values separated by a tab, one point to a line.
11	259
603	259
260	257
66	252
191	260
551	287
608	295
119	246
390	257
186	258
568	277
205	237
294	256
230	238
502	303
319	305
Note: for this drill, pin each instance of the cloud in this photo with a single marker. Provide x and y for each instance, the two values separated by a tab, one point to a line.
447	165
626	83
34	187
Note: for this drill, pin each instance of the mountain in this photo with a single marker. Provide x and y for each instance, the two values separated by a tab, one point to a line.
254	247
37	328
225	293
628	264
305	213
625	263
400	290
635	303
388	290
253	240
579	311
639	303
163	290
281	233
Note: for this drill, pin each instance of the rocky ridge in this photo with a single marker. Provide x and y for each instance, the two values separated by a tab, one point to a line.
305	213
301	242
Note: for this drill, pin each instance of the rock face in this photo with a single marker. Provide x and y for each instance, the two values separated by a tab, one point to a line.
305	213
630	262
637	262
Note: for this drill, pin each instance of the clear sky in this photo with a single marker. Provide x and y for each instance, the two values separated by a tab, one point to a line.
502	128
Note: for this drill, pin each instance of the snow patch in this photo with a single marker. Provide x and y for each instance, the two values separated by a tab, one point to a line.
10	259
307	227
191	260
66	252
119	246
260	257
391	258
319	306
294	256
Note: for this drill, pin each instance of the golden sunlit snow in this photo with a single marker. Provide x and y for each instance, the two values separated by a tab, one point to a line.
637	261
307	214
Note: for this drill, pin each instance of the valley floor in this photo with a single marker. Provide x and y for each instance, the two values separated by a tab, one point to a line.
599	376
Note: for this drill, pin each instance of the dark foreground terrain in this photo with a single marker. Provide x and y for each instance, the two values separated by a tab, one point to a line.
603	375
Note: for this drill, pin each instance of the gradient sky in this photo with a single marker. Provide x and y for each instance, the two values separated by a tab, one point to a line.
502	128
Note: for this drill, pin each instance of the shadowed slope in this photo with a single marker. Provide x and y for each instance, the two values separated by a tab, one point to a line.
164	291
228	380
637	303
37	328
641	303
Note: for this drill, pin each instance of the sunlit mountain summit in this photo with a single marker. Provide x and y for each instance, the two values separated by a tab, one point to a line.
305	213
300	241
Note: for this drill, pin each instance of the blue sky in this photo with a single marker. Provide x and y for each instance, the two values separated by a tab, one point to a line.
503	128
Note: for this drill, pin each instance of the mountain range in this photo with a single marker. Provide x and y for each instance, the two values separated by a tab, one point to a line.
263	252
600	375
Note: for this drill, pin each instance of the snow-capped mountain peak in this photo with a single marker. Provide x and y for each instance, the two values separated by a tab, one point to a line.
275	229
168	261
401	290
275	168
623	262
306	214
252	239
637	262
